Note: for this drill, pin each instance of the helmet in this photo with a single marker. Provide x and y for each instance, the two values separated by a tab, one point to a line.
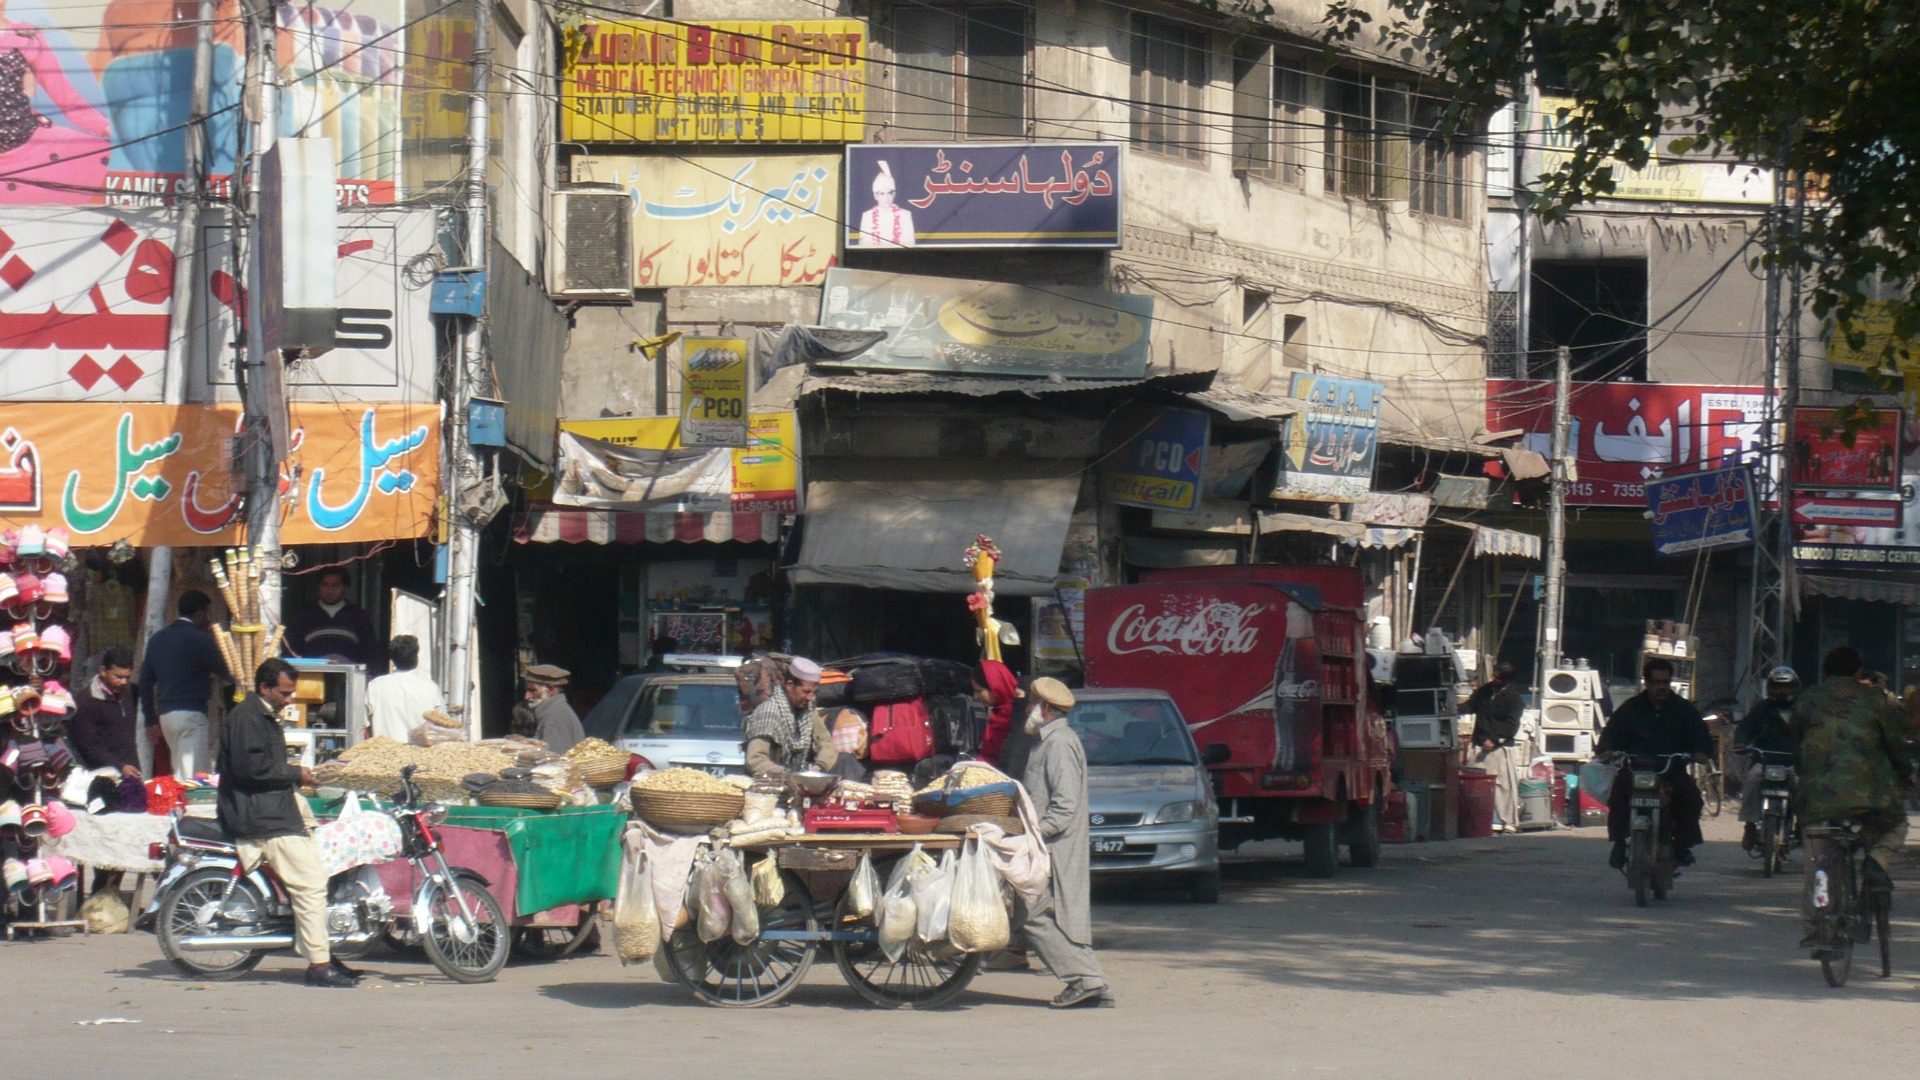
1783	676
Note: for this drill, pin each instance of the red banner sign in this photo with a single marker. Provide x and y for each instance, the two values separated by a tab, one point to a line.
1829	457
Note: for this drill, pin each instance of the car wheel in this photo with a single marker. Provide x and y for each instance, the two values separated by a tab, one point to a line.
1205	887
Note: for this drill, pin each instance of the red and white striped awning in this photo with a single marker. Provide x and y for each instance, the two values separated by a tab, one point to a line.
626	527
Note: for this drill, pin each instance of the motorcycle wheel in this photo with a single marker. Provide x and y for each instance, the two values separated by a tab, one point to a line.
192	894
1640	866
1836	963
1769	846
468	951
1663	866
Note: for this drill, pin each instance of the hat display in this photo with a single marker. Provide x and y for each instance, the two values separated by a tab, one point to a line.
33	820
58	642
31	589
56	588
25	698
9	815
6	652
55	699
62	871
32	541
60	820
25	639
548	675
1053	692
9	589
801	669
59	543
14	873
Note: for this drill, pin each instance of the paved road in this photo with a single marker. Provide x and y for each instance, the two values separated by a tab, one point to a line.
1518	956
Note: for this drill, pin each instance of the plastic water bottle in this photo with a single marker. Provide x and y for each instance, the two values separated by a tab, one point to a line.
1820	895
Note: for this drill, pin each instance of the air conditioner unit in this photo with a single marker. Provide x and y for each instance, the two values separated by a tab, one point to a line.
1570	699
590	249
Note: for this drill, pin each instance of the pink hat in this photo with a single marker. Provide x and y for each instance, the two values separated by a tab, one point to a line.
56	589
54	699
59	544
32	589
59	642
63	870
25	639
59	819
33	541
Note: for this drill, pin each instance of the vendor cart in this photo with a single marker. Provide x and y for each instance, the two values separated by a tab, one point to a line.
814	914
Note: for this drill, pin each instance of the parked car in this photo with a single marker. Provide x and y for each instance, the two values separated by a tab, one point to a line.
1149	795
674	718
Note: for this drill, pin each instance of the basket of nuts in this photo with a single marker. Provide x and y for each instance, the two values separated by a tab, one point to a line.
685	800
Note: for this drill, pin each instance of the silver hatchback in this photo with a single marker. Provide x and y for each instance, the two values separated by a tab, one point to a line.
1149	795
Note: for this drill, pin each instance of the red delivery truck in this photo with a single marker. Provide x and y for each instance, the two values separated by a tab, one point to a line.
1268	665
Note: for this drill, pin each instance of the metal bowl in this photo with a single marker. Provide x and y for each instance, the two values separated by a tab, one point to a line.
811	782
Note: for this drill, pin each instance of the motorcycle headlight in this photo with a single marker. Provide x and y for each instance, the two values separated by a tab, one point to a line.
1645	781
1776	772
435	814
1179	811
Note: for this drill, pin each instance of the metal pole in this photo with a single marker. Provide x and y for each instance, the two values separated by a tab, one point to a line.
186	282
1767	617
464	468
263	481
1789	401
1552	601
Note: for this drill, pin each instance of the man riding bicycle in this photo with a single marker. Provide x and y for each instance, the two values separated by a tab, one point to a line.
1853	761
1656	721
1764	731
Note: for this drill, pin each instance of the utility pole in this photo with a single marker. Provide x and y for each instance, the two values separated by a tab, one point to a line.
463	464
187	274
1769	617
264	386
1552	604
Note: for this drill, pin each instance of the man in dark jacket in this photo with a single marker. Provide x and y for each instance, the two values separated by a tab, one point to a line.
335	628
1496	709
261	808
1764	731
1656	721
103	728
176	679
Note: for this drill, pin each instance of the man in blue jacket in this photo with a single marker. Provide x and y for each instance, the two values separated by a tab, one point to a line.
176	680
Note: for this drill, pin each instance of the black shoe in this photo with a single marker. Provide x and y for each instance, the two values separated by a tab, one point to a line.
341	969
1750	838
1076	996
327	976
1618	859
1683	856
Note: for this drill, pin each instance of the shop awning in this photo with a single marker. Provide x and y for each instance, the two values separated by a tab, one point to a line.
1348	531
624	527
909	534
1165	553
1857	588
924	382
1384	536
1446	444
1245	406
1488	540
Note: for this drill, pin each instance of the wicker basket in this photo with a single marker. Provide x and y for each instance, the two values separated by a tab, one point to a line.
602	772
685	812
993	800
985	806
524	800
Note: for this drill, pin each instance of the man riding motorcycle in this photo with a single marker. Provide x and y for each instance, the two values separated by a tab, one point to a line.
1656	721
1764	731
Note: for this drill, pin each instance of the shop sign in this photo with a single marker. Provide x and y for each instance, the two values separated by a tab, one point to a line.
757	81
1702	511
989	328
1690	182
760	220
1327	449
1228	518
1161	467
641	464
1862	528
713	394
983	195
1882	348
1060	623
111	87
1625	434
1406	509
162	474
1828	457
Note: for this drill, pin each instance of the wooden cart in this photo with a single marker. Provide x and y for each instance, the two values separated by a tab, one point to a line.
812	916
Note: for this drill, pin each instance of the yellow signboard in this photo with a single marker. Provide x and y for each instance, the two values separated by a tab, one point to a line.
781	81
1876	321
1690	182
763	219
713	395
766	472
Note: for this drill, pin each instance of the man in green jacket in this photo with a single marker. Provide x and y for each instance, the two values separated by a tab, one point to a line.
1852	761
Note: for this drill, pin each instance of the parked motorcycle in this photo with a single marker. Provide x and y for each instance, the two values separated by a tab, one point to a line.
215	921
1777	821
1651	863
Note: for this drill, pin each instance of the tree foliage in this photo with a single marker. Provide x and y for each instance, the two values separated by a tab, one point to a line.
1828	90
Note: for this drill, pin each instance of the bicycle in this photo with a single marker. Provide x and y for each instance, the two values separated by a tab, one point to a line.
1845	914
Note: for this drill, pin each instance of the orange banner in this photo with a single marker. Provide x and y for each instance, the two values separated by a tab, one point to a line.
162	474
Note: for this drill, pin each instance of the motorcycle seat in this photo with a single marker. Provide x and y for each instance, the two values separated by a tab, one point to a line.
204	830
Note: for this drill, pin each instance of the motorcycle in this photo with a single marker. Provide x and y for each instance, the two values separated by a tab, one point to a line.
216	920
1651	862
1777	822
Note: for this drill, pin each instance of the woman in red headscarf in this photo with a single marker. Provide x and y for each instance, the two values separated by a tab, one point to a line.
996	688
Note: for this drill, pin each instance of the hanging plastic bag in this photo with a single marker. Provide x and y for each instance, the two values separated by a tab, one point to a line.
710	887
636	918
745	924
358	837
933	901
864	891
768	889
898	917
978	922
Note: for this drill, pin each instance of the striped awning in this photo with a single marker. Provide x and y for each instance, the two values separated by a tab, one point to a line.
1491	541
1859	588
627	527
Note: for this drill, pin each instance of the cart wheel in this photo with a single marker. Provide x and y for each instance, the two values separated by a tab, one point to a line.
744	976
925	977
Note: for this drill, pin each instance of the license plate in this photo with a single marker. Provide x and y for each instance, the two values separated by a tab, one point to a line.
1646	804
722	770
1104	846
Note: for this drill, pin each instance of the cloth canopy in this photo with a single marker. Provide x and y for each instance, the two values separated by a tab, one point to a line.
621	527
1488	540
1857	588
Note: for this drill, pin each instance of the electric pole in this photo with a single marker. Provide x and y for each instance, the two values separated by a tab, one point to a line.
464	470
1770	615
1553	599
263	388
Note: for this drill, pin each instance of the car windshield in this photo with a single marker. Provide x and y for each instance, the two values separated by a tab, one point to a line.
1139	731
603	720
689	711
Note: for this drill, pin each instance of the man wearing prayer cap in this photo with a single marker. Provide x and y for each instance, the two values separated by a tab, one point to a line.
555	722
785	731
1059	926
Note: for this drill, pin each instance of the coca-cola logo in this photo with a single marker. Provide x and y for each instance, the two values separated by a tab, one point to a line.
1215	628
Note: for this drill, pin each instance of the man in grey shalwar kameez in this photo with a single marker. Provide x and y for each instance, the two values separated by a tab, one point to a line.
1060	926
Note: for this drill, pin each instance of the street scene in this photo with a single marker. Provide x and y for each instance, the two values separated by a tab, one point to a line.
1309	537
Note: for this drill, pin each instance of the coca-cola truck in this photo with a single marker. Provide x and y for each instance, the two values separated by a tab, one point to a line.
1268	664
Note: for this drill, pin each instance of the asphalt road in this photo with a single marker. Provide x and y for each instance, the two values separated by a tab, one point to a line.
1513	957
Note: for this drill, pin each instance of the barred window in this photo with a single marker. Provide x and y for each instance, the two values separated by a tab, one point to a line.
960	70
1170	77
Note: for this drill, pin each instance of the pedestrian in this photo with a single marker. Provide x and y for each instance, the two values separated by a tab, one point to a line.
785	732
1657	721
1497	708
554	721
995	687
105	730
1059	926
1851	760
261	808
177	679
398	702
333	628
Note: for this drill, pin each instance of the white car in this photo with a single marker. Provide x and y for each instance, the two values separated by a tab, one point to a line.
672	718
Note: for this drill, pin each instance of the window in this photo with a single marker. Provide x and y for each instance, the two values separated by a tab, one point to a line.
1270	101
1293	347
1503	336
1256	334
1365	136
960	70
1439	165
1169	88
1595	307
